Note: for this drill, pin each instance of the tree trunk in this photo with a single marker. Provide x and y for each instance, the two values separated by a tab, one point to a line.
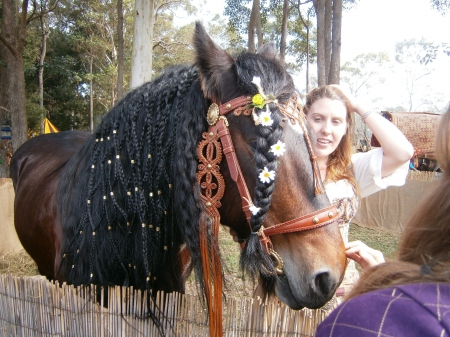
284	25
259	26
328	27
141	70
319	6
251	27
254	24
41	68
307	58
120	51
4	113
335	62
306	24
13	37
91	94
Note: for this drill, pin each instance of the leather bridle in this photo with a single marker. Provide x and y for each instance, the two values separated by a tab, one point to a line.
216	142
219	131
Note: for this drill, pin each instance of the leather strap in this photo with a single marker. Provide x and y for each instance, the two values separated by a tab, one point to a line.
233	165
312	220
233	104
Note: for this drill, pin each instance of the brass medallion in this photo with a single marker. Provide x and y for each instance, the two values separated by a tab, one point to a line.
213	114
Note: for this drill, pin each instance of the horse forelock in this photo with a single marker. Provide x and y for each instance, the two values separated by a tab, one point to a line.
138	196
275	79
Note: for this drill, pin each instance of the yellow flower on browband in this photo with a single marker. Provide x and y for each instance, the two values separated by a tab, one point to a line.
260	100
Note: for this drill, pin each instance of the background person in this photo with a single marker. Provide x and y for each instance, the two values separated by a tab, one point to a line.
409	296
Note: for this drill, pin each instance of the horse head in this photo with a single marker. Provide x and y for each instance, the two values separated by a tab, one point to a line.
313	259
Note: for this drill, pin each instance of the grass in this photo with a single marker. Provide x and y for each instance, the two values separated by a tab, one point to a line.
384	241
18	263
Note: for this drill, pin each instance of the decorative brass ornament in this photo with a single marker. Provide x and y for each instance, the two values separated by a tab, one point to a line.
330	215
213	114
279	264
315	220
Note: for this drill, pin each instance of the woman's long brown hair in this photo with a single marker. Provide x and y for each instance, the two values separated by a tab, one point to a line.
424	248
339	164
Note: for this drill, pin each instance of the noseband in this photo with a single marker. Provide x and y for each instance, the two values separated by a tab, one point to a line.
209	167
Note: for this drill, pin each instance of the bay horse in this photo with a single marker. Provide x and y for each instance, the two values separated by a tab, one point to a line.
126	204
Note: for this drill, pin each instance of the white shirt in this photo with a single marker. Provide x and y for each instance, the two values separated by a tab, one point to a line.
367	172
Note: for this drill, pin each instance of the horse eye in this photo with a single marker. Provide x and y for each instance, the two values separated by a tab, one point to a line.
252	145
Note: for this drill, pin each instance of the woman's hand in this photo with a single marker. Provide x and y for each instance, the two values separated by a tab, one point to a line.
364	255
234	235
355	104
397	149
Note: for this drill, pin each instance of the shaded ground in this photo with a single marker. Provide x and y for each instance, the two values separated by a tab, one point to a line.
384	241
237	286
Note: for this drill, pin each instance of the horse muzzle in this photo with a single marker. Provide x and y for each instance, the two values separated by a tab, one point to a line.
313	293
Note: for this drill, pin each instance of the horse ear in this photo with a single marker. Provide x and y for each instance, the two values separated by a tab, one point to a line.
269	50
211	62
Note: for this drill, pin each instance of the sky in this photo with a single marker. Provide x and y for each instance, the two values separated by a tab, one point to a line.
376	26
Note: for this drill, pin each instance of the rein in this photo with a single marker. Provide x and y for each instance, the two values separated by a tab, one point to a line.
216	142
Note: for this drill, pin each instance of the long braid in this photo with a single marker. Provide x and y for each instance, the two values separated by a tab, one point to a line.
254	258
185	159
275	81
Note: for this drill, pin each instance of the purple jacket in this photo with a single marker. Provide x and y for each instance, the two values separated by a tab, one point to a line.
413	310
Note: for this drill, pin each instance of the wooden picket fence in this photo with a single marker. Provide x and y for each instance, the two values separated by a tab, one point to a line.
31	306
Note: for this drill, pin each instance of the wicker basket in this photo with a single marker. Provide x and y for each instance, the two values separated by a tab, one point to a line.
419	127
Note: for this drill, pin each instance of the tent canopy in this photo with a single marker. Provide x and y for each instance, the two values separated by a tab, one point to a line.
49	127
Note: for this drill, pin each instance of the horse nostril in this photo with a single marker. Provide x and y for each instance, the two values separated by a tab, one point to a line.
324	283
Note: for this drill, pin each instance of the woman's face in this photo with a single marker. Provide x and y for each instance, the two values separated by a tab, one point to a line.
328	118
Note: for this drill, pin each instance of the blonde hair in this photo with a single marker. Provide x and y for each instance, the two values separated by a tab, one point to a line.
339	164
424	248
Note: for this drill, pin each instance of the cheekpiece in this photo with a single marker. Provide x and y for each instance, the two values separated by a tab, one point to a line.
213	114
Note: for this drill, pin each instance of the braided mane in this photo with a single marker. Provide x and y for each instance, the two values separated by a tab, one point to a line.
126	224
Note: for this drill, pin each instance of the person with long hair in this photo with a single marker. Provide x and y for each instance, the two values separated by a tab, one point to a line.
409	296
349	176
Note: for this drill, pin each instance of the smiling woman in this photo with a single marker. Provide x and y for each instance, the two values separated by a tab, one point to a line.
348	176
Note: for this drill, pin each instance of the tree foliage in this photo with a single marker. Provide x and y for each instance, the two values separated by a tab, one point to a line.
271	19
299	41
413	73
441	5
434	50
364	72
83	34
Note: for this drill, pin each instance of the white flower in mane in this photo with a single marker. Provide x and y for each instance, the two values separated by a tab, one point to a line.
257	81
279	148
254	209
266	176
265	117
